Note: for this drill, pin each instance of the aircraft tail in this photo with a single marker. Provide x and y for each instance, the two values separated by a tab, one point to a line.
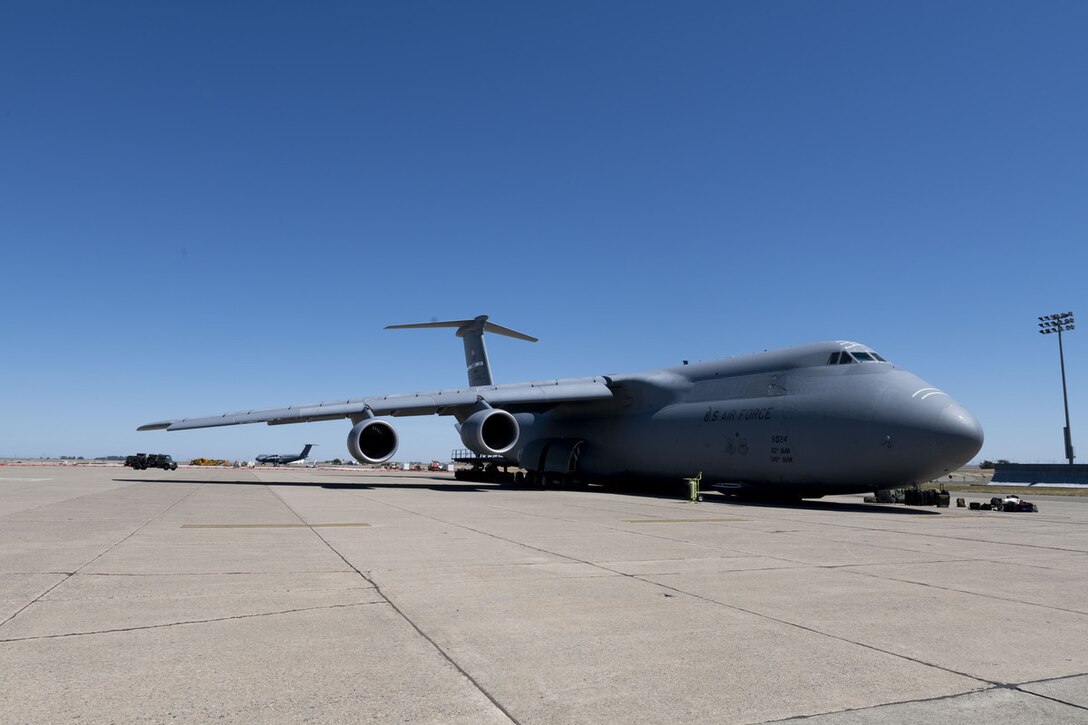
472	333
306	450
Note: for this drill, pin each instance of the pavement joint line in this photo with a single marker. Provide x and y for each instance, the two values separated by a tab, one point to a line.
213	573
801	533
754	613
806	534
796	564
742	552
1059	678
939	698
98	556
920	515
644	580
187	622
735	552
1046	697
945	536
810	629
445	655
964	591
911	563
546	533
1019	687
971	560
67	500
762	568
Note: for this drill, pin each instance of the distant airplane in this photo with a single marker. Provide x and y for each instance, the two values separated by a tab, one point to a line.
807	421
281	459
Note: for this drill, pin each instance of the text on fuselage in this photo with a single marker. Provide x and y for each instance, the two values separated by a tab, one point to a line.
714	414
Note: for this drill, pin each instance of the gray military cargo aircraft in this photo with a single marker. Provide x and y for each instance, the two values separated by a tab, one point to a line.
282	459
807	421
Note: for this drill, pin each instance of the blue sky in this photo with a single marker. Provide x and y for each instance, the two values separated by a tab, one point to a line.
217	206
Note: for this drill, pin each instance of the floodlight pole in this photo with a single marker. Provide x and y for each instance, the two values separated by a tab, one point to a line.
1065	399
1060	323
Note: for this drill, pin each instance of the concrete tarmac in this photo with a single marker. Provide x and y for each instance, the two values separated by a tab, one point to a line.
297	595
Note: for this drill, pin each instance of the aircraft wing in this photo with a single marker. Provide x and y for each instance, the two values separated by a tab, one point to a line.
533	396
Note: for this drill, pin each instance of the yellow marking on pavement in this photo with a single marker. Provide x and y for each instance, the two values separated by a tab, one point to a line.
679	521
264	526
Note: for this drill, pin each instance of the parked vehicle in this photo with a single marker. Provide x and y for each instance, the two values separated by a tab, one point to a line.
143	461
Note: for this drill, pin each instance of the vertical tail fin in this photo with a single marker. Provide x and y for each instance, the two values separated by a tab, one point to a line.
306	450
472	334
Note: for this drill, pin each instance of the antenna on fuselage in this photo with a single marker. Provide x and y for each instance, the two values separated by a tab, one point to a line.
472	333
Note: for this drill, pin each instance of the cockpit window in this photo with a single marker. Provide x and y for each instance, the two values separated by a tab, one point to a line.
845	357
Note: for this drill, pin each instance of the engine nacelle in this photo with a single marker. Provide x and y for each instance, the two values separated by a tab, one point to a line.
490	432
372	441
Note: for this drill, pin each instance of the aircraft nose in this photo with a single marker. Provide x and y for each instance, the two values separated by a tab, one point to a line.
959	435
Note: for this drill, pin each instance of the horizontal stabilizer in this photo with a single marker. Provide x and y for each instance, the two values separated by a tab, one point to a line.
472	334
468	324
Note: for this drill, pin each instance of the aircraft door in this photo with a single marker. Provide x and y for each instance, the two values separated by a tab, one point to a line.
552	455
534	454
562	456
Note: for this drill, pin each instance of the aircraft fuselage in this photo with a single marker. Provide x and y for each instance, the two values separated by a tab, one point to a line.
785	420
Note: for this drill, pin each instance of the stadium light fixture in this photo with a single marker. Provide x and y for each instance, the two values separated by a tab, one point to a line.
1059	323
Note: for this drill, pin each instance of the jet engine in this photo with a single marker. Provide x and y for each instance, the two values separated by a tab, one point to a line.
490	431
372	441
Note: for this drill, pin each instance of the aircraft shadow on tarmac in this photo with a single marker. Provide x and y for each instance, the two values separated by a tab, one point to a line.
660	492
